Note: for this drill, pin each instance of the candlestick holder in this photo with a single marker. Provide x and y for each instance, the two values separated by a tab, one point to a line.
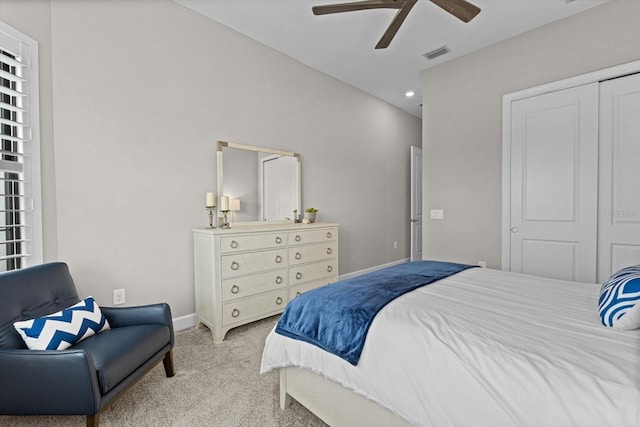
212	210
225	219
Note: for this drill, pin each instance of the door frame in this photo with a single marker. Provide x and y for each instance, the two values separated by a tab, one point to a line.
415	222
596	76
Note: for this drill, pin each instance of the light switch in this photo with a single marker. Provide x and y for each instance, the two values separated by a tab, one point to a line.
437	214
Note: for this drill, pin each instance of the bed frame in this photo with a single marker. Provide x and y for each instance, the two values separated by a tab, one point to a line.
331	402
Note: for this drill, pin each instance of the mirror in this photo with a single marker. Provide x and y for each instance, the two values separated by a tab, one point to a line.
265	181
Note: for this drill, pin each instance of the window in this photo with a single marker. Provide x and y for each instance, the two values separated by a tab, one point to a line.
20	204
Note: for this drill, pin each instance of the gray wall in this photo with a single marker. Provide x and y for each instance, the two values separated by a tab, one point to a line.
135	95
462	120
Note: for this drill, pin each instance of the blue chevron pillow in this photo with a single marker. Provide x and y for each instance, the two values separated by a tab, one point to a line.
619	302
63	329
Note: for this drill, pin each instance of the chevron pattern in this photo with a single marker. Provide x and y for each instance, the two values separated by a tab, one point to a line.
61	330
619	302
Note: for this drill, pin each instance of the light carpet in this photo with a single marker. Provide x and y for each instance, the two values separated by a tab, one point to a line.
214	385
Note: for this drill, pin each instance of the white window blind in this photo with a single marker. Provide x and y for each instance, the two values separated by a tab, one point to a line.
20	213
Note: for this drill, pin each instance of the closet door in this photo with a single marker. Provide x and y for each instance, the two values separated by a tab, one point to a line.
619	210
554	179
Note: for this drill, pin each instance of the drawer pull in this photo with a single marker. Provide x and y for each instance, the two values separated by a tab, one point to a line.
234	244
235	265
329	235
278	280
298	293
298	255
278	259
298	238
235	289
279	300
298	275
278	240
329	268
329	251
235	312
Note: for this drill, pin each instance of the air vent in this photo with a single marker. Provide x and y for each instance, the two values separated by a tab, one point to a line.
436	53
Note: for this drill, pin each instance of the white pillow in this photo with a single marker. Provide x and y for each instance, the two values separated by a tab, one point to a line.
61	330
619	302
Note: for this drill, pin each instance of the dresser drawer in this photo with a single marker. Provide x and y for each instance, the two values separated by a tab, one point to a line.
231	244
256	306
308	272
252	262
295	291
310	253
240	287
313	236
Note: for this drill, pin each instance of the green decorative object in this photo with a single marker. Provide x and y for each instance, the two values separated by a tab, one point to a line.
310	215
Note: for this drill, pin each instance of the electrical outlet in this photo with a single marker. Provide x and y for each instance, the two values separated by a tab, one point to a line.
395	244
437	214
119	296
482	264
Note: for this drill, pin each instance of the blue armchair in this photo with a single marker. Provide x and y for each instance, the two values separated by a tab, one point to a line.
86	378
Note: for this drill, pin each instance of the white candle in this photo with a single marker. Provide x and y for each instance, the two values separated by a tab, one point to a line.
224	203
211	199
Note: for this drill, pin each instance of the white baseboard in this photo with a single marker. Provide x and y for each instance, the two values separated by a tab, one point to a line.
184	322
189	320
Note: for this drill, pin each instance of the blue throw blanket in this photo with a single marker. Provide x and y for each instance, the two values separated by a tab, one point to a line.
337	317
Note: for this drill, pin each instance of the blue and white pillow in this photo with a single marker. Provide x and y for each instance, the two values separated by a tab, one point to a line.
63	329
619	303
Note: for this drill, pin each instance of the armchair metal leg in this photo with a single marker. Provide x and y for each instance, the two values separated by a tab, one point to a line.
93	420
169	369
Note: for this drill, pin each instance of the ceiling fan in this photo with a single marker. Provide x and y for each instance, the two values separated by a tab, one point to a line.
461	9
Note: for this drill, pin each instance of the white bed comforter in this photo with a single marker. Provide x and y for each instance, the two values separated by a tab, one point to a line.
488	348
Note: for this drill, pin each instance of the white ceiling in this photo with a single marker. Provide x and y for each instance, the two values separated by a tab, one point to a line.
342	45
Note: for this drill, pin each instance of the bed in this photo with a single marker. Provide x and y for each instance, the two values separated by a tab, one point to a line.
482	347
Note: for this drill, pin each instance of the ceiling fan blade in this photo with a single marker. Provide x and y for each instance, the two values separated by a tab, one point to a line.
359	5
395	24
461	9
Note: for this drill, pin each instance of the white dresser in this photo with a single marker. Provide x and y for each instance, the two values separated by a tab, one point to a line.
250	272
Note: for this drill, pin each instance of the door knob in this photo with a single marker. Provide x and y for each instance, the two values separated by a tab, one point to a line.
514	229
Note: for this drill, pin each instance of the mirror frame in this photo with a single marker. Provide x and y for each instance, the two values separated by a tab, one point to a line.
220	171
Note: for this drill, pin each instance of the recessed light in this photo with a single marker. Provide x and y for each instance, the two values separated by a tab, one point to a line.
409	93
